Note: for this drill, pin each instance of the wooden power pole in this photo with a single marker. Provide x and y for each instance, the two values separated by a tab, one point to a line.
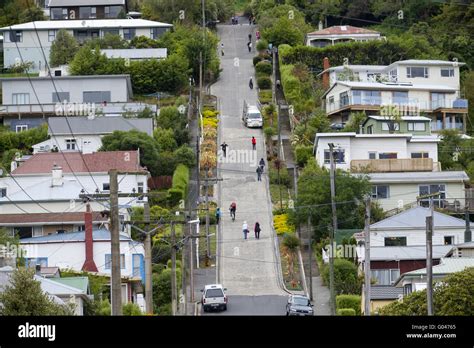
173	270
333	230
116	287
429	259
367	272
148	266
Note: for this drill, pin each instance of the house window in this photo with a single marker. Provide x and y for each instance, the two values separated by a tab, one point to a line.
372	155
407	289
448	72
431	189
366	97
110	32
155	33
20	98
385	276
37	231
331	100
51	35
339	156
380	191
108	261
344	98
393	75
140	187
21	128
420	155
32	262
71	144
448	240
106	186
400	97
87	12
59	97
3	192
16	36
388	155
370	130
80	228
137	265
386	126
417	71
129	33
23	231
395	241
59	13
417	126
96	97
438	100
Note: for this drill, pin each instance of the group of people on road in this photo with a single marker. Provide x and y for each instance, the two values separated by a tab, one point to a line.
256	229
260	168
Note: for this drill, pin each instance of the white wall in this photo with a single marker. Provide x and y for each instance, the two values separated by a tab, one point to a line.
434	76
45	89
401	194
416	237
72	255
85	143
430	147
362	146
339	142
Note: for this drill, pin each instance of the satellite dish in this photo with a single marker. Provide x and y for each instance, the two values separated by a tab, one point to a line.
83	23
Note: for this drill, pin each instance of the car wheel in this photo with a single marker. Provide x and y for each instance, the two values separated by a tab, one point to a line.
225	307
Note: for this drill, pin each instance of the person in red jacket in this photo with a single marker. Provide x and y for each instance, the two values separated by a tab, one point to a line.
254	143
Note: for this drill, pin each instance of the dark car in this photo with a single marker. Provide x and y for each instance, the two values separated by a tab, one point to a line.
299	305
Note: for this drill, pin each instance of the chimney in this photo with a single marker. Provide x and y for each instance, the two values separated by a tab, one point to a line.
89	264
57	175
320	26
326	66
13	166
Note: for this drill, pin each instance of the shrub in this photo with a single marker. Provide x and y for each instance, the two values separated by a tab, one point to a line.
349	302
269	131
131	309
262	45
175	196
281	224
264	68
284	176
181	178
264	82
291	242
265	96
346	279
257	59
303	154
346	312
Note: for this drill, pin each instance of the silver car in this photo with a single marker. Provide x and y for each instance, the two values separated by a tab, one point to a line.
299	305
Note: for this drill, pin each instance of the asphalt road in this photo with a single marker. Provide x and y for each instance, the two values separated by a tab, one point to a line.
249	269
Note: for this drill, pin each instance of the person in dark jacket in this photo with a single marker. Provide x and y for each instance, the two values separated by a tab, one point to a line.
259	173
257	230
262	164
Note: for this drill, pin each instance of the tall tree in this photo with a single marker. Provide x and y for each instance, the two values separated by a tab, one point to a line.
63	49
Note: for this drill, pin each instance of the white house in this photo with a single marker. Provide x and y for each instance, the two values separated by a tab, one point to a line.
74	251
21	41
339	34
415	86
84	134
53	182
87	9
136	54
26	101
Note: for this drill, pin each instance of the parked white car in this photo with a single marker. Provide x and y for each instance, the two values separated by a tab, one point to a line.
214	297
251	116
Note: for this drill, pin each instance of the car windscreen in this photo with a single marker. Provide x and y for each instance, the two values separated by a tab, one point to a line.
301	301
255	116
214	293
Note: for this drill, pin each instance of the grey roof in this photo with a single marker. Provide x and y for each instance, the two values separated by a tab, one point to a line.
417	177
65	3
397	86
98	125
88	23
136	53
97	235
427	62
415	217
417	252
403	118
385	292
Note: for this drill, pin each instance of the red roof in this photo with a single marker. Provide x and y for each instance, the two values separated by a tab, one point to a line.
58	218
97	162
338	30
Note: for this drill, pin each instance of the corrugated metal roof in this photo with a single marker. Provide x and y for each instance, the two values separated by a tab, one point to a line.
446	266
406	252
343	30
417	177
97	235
81	283
403	118
52	287
415	218
385	292
98	125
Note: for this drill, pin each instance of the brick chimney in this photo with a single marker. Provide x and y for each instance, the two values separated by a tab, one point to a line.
89	264
326	66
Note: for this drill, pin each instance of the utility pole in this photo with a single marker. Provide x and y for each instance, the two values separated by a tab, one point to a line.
190	256
367	272
467	233
429	259
208	239
198	165
333	231
173	269
148	271
116	287
310	246
274	75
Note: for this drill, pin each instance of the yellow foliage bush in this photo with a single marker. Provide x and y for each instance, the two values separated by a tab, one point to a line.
280	222
209	122
210	114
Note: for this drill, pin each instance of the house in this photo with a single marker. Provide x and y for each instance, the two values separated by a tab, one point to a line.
76	252
21	40
428	87
136	54
462	250
381	295
339	34
87	9
398	243
415	125
27	102
416	280
84	134
53	182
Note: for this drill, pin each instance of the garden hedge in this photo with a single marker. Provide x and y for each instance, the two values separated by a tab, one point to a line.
264	82
346	312
349	301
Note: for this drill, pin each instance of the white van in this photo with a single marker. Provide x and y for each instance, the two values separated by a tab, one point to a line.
251	116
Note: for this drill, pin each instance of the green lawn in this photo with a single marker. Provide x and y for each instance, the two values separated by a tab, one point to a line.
275	194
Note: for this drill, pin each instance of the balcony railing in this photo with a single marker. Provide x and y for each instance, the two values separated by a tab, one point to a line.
394	165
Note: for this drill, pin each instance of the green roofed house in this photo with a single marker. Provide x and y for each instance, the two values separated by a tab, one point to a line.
416	125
